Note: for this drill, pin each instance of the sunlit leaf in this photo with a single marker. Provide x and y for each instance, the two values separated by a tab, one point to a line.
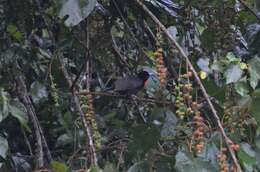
254	71
59	166
242	88
4	104
77	10
233	73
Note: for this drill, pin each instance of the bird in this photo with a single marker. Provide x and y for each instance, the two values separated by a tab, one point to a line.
131	85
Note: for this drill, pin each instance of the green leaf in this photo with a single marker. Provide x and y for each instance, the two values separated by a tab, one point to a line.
11	29
77	10
18	111
145	138
218	66
242	88
232	58
233	73
200	28
246	156
208	39
3	147
214	90
168	128
254	71
209	154
186	163
139	167
59	166
38	92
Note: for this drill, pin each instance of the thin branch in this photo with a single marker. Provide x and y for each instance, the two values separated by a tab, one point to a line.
23	96
249	9
117	50
88	75
27	142
87	125
148	100
175	44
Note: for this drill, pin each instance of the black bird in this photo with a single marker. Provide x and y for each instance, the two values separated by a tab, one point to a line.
131	84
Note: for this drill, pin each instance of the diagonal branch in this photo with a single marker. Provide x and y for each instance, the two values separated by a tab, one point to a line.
175	44
249	9
40	139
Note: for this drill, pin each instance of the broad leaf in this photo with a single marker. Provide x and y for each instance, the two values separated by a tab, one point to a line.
186	163
233	73
18	111
246	156
139	167
242	88
203	64
38	92
77	10
254	71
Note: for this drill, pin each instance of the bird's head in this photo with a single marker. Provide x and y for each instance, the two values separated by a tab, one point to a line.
144	75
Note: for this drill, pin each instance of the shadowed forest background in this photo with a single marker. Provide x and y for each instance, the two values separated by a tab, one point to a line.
199	110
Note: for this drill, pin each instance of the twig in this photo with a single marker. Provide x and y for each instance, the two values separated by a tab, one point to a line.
27	142
128	28
175	44
117	50
137	107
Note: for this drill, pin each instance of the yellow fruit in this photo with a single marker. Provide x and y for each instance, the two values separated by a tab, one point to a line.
203	75
243	66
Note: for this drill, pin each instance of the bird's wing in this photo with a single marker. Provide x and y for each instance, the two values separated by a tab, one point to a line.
129	83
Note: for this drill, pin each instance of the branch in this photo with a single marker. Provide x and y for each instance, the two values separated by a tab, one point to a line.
148	100
40	139
249	9
87	125
175	44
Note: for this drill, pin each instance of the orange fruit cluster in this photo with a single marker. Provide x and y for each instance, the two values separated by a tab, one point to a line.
160	66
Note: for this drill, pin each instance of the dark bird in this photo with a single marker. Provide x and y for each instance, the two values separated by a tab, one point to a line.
131	84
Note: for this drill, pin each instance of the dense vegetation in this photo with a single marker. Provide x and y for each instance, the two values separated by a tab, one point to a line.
58	62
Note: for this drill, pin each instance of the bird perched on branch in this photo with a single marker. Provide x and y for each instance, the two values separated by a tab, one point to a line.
132	84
